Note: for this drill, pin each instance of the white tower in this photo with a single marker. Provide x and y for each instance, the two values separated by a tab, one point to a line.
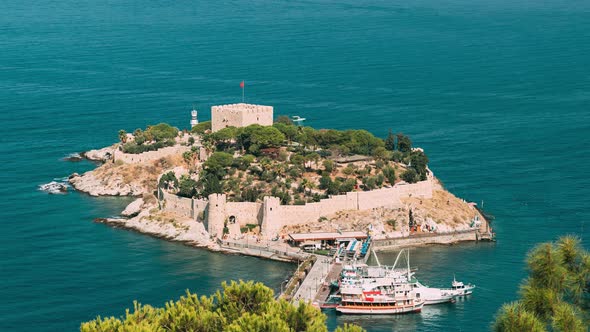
194	120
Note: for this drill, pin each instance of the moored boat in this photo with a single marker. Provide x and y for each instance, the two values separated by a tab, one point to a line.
460	289
379	300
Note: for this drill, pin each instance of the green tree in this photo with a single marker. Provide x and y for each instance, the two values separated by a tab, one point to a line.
410	176
284	119
419	162
380	153
554	296
211	185
162	131
325	181
329	165
168	181
390	141
201	127
187	186
347	186
404	144
513	317
389	174
289	130
349	328
239	306
217	162
123	136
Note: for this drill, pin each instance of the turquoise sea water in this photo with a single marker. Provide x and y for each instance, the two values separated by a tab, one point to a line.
497	92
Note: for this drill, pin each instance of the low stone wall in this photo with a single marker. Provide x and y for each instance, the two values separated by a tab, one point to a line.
423	239
150	155
182	206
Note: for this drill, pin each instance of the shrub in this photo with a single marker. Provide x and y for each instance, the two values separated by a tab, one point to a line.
410	176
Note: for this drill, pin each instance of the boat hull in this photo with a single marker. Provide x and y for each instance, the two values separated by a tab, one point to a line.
438	300
393	310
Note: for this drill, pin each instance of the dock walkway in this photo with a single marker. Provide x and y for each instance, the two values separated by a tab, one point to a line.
315	280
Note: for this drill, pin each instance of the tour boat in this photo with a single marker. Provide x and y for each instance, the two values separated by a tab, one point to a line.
461	289
368	277
398	299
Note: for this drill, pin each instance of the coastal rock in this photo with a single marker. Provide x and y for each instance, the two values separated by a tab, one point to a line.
133	208
153	222
109	186
74	157
102	155
54	187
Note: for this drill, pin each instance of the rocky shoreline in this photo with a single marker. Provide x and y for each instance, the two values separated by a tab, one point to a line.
145	218
144	215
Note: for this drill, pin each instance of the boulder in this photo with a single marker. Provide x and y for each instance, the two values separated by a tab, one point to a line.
102	155
133	208
54	187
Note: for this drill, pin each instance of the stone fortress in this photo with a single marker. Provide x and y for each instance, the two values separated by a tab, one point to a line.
240	115
217	212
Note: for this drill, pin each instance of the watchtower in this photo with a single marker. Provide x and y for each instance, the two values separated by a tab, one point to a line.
240	115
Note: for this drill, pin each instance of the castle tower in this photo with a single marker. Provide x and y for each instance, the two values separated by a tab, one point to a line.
271	221
240	115
216	214
194	120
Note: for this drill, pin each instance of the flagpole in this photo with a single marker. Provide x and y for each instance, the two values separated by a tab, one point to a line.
243	89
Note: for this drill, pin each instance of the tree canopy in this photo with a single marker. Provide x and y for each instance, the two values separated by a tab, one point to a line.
153	138
201	127
556	295
237	307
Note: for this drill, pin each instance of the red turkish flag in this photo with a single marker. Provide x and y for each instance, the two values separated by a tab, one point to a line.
242	84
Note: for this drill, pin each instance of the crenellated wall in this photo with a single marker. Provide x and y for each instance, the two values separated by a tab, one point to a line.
272	216
182	206
130	158
244	212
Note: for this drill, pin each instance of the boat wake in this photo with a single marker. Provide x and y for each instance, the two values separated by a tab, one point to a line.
73	157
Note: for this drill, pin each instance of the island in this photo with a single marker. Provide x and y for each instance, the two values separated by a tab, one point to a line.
244	177
251	184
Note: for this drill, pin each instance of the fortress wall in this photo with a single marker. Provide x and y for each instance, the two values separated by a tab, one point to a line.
272	216
150	155
181	206
262	116
289	215
221	118
200	207
244	212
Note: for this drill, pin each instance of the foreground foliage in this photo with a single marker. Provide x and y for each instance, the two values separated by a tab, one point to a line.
556	296
239	306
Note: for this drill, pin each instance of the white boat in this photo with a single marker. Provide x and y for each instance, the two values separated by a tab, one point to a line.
368	277
379	300
433	295
461	289
297	118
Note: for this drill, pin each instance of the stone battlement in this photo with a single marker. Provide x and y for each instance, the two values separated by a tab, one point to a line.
240	115
271	216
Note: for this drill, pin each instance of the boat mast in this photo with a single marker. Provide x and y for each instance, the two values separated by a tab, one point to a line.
376	258
397	259
408	259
